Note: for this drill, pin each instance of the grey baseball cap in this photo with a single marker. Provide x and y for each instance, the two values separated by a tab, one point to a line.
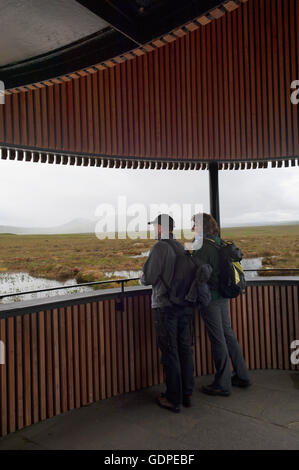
163	219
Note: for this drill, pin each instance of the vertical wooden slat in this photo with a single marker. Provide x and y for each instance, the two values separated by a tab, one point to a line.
27	370
261	328
44	116
270	90
252	77
140	93
95	112
120	339
102	355
102	114
107	116
8	119
130	107
178	99
252	362
244	318
113	339
168	137
267	327
38	117
143	342
215	90
258	80
95	351
119	111
283	88
11	379
34	369
76	352
65	144
51	116
232	88
155	355
285	332
19	373
279	338
124	116
113	111
137	347
294	18
273	327
62	360
83	113
16	118
89	355
42	377
57	108
148	330
56	362
125	350
129	306
136	109
90	114
236	83
194	113
82	349
225	80
276	75
108	362
70	358
3	384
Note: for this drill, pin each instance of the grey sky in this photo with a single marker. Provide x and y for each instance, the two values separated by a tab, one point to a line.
42	195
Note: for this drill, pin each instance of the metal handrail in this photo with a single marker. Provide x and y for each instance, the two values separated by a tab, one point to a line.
122	281
119	281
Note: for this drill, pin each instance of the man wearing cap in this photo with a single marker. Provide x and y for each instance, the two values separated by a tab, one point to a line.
173	323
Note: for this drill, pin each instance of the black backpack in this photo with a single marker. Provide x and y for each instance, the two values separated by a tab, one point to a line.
184	274
232	278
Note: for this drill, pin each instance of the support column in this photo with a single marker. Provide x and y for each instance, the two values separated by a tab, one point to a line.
214	191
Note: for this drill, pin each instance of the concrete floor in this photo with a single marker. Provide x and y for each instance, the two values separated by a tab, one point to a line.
265	416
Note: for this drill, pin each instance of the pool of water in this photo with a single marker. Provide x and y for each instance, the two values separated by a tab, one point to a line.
11	282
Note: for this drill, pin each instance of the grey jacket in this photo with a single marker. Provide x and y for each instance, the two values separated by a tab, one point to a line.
161	261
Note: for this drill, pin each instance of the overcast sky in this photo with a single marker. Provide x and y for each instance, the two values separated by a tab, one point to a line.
43	195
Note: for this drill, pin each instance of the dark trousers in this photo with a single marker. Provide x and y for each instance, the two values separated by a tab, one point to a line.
225	345
174	336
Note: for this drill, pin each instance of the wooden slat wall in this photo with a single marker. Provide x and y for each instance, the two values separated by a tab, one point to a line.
219	92
65	358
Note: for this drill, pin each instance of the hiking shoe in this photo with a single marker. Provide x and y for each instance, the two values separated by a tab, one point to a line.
187	401
237	382
211	390
164	403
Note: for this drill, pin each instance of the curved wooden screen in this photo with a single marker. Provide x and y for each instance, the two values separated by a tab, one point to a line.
220	92
64	356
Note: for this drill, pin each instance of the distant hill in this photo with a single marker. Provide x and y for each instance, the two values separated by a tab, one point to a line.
74	226
82	225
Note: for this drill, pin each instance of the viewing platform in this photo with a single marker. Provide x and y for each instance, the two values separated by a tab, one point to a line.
264	417
82	372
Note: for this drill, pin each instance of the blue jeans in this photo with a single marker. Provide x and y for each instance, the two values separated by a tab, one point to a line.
174	336
224	343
